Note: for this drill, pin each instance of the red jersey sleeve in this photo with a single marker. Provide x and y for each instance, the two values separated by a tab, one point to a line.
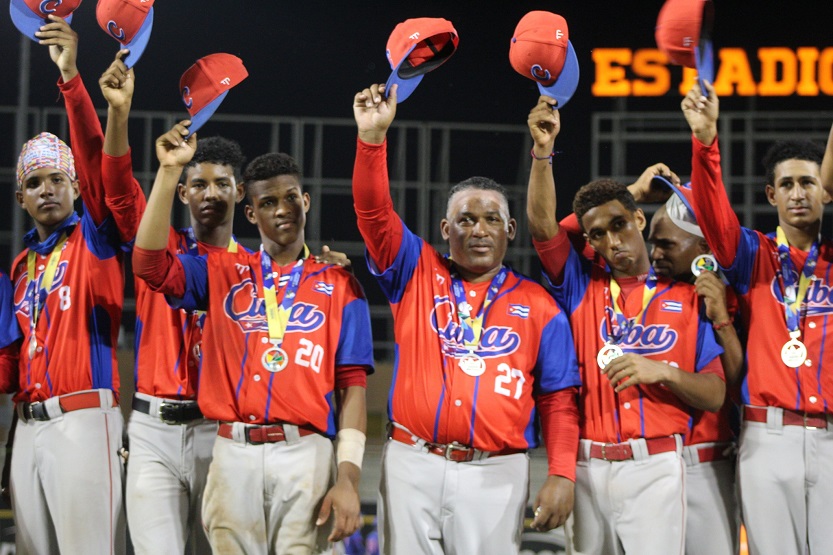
123	194
347	376
553	254
712	208
87	141
378	223
558	412
161	270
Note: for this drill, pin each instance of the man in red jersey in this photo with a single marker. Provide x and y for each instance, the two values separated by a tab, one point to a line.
66	475
482	353
783	283
645	353
285	350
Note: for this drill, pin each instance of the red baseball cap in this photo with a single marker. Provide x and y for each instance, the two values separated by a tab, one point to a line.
541	50
129	22
683	33
205	84
30	15
415	47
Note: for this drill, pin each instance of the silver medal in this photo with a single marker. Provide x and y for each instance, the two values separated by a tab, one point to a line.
703	263
274	359
33	347
607	354
794	352
473	365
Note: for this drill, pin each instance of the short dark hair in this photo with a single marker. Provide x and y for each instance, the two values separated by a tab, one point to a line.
599	192
793	149
481	183
267	166
216	150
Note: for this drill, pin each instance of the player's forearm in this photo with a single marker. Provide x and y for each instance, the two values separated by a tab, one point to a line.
377	221
698	390
115	137
712	208
153	229
827	165
352	430
558	412
541	201
732	357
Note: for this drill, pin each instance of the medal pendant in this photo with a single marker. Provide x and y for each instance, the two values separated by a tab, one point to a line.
607	354
703	263
33	347
274	359
473	365
794	352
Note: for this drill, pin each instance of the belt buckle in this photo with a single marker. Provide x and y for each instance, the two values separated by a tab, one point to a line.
807	426
167	413
604	453
453	447
30	409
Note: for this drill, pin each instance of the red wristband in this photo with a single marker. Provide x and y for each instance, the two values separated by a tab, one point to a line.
532	153
721	325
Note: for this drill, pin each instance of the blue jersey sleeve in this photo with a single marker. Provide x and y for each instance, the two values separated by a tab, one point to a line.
394	279
739	274
196	283
355	342
557	365
103	239
707	347
9	330
574	285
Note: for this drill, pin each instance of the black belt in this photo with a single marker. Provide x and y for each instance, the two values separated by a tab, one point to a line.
170	413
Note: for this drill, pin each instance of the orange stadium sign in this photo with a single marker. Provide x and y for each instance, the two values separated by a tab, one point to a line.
781	71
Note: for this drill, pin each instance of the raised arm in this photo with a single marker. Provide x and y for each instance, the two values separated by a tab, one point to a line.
123	195
544	124
377	221
827	165
151	261
712	208
85	134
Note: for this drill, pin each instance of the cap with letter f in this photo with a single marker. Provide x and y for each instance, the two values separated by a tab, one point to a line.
205	84
684	34
129	22
541	50
415	47
30	15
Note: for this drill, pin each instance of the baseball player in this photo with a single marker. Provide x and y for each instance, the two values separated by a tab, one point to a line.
285	350
170	441
712	515
66	475
783	283
481	353
645	354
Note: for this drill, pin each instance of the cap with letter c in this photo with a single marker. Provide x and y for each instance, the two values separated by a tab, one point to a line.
415	47
30	15
541	50
683	33
205	84
129	22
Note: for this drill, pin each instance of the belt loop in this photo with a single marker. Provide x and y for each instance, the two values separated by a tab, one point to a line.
584	449
691	455
52	406
238	432
290	432
639	447
775	420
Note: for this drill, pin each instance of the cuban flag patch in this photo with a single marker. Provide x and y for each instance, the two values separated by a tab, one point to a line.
321	287
518	310
671	306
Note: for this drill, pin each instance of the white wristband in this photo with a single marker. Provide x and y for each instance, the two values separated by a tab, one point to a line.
350	446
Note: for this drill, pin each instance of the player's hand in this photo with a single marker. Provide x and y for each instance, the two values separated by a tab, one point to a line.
343	500
701	109
328	256
374	113
554	503
117	83
63	45
544	123
632	369
173	150
644	190
709	286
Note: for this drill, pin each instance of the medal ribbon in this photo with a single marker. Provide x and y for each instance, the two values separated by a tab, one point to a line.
192	243
277	316
473	327
648	290
38	298
793	301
